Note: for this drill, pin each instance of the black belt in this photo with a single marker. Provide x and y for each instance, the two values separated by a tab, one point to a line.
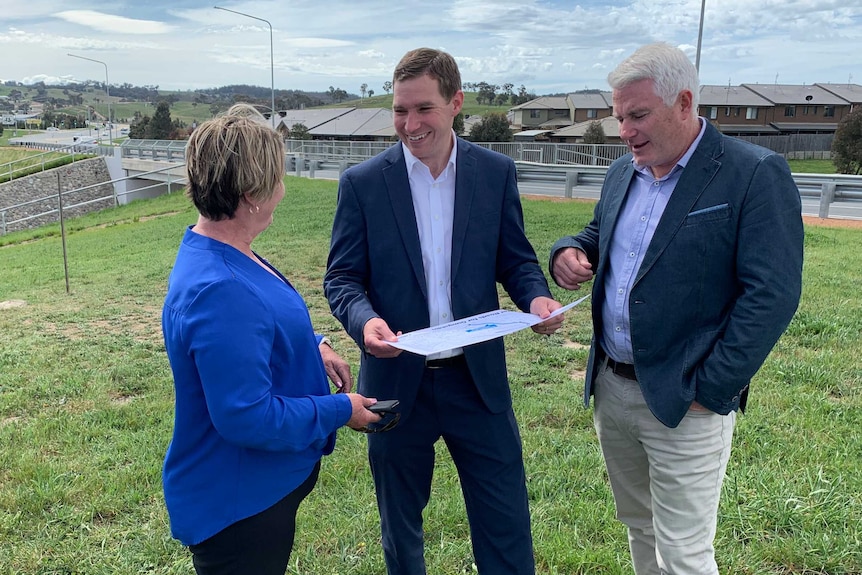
626	370
454	361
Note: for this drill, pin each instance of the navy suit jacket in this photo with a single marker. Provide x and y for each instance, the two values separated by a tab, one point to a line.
375	265
720	281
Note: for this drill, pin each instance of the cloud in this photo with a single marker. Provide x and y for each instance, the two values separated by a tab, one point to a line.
110	23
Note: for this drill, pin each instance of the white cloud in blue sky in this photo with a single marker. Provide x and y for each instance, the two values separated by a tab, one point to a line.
548	46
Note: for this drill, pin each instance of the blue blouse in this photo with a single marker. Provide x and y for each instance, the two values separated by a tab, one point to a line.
254	413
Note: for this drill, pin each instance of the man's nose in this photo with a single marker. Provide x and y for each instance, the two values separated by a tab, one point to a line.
412	121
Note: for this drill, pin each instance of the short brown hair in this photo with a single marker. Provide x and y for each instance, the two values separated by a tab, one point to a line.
232	155
435	63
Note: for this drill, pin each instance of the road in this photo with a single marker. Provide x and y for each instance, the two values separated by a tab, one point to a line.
810	206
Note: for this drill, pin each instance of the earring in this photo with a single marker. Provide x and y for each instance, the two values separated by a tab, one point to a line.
251	211
257	209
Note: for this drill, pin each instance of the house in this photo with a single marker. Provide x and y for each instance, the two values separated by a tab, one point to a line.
736	110
589	105
801	109
850	92
575	134
348	123
541	113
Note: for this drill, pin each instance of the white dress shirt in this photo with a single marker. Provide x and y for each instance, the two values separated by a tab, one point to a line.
434	206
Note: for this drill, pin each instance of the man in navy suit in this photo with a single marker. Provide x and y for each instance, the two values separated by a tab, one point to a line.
696	244
422	235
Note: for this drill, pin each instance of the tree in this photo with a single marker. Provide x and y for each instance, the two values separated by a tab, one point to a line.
387	86
370	93
140	129
594	133
161	126
363	89
458	124
847	145
492	128
298	131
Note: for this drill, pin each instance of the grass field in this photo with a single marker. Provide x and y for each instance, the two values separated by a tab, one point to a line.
86	414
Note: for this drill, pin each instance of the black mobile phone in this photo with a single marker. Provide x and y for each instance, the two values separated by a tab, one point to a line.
384	406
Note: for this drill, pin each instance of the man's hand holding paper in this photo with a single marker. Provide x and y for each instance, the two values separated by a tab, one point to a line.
482	327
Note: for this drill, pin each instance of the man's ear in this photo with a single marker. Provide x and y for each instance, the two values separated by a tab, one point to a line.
685	101
458	101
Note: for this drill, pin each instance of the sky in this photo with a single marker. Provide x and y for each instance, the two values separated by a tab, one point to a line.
548	46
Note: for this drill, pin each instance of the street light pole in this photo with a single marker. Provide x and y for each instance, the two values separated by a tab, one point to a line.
271	59
107	93
699	35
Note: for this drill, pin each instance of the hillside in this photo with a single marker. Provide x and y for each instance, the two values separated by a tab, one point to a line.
90	101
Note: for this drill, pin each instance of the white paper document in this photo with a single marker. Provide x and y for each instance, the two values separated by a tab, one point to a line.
470	330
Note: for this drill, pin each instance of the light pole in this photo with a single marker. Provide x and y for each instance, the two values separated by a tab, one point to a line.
271	59
107	93
699	35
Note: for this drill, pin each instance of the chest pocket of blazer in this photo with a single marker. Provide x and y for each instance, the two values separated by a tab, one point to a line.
707	215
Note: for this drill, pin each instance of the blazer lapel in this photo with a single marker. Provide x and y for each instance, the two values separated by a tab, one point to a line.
465	189
398	188
700	170
613	203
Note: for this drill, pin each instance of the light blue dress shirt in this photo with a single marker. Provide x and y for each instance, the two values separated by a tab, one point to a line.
639	216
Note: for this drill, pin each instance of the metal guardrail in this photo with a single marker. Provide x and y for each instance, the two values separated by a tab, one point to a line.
156	150
5	224
828	188
312	156
22	166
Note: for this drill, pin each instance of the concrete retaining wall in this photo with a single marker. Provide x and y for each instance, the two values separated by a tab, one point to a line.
39	194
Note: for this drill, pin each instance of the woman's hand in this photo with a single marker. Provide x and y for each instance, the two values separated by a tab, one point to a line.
337	369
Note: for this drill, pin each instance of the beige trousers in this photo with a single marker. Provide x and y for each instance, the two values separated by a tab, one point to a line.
666	482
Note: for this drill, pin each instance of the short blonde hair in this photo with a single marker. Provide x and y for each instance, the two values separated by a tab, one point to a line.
230	156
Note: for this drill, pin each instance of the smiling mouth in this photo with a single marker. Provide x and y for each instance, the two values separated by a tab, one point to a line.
418	138
637	147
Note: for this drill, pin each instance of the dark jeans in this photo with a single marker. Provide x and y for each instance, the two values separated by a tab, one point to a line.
260	544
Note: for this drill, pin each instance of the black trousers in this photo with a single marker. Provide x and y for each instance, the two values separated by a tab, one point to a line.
260	544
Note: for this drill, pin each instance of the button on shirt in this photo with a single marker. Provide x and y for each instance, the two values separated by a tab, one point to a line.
639	216
434	206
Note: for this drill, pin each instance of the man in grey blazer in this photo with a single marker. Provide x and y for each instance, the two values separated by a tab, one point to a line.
696	246
422	235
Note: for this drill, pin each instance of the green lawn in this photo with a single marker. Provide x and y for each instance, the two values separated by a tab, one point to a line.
86	414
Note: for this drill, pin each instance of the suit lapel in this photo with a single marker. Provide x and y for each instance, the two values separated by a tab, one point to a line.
398	188
613	204
700	170
465	189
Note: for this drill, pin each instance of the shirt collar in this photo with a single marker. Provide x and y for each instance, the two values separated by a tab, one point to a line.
412	160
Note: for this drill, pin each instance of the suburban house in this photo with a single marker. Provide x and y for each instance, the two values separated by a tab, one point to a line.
850	92
544	113
586	106
349	123
744	110
801	109
736	110
575	134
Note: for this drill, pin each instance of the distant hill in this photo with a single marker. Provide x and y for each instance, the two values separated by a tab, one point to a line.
89	100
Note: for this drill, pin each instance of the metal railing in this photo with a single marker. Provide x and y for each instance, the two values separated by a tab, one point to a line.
157	150
311	157
6	223
354	152
23	166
